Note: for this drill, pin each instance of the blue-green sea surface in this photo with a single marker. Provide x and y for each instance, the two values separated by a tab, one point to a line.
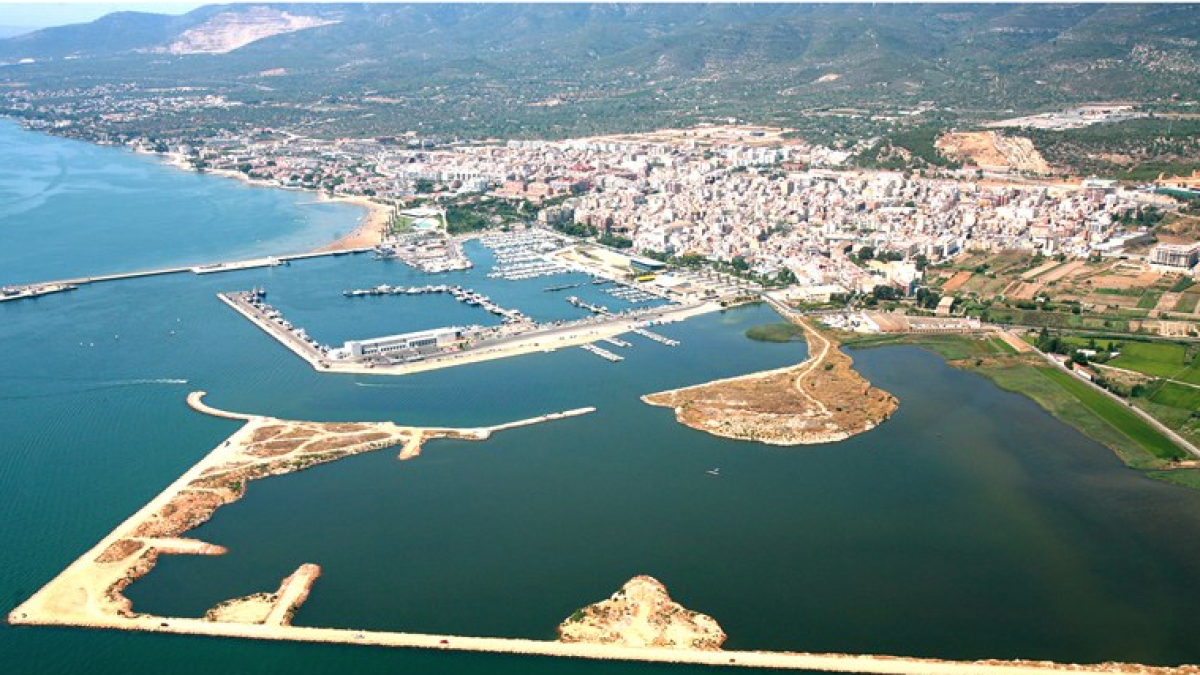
971	525
70	209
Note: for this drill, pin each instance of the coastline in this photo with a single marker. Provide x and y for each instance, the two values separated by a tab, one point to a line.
366	233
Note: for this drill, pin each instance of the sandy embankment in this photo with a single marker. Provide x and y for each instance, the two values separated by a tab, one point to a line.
821	400
90	592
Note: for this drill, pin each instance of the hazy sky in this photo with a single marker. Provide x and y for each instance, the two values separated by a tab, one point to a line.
43	14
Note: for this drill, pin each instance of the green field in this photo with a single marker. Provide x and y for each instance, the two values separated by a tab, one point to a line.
1189	478
1177	396
1120	417
1149	300
1161	359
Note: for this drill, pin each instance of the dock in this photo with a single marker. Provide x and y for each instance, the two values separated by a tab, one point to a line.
463	295
594	309
602	353
250	304
22	292
616	342
656	337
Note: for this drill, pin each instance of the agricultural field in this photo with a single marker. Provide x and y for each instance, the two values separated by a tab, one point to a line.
1177	396
1187	302
1024	289
1160	359
1120	417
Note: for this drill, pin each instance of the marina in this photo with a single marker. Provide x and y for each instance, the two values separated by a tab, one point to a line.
631	294
523	255
449	346
463	295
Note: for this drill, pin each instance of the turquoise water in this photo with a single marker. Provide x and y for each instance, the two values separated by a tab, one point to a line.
971	525
71	209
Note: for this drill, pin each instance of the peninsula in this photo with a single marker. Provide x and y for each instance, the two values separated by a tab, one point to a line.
821	400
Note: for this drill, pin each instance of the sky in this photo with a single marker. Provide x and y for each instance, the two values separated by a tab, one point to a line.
45	14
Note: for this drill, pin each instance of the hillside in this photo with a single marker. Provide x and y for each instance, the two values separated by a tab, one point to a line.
484	69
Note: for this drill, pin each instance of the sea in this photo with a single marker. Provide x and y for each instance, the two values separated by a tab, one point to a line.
971	525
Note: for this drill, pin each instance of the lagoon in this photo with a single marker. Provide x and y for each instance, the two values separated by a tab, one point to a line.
971	525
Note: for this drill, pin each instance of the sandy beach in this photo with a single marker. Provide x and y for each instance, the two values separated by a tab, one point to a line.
370	228
367	233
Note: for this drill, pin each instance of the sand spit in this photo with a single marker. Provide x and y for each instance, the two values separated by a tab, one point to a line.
90	592
642	614
821	400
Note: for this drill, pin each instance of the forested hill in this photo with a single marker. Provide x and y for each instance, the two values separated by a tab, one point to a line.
490	68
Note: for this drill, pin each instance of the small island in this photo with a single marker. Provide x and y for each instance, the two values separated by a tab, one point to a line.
821	400
642	614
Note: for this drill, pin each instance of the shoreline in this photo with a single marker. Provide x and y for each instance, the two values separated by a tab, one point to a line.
367	232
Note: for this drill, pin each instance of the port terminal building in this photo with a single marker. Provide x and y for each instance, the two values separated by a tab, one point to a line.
407	344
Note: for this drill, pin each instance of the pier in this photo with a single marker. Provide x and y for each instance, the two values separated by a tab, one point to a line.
602	353
238	265
463	295
251	305
617	342
23	291
594	309
656	337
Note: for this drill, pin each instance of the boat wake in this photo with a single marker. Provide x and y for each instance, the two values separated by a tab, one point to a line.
96	385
